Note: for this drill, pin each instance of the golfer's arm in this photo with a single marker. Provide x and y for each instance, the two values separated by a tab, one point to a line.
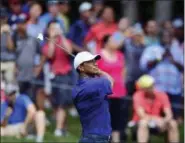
30	114
102	73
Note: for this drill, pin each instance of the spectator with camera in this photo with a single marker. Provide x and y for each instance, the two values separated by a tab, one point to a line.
61	71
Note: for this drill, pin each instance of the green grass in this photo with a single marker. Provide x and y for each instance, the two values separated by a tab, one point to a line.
74	134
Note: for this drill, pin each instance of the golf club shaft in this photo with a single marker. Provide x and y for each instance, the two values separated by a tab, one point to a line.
60	46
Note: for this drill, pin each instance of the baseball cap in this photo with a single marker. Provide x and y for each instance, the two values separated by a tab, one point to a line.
145	81
84	57
85	6
10	88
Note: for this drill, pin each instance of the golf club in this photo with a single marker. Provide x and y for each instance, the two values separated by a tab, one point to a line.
41	38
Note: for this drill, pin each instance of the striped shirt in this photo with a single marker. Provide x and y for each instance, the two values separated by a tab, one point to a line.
167	77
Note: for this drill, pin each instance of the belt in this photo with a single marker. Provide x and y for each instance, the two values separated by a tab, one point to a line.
103	137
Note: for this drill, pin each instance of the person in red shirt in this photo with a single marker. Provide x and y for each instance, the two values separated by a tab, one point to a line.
112	62
106	26
148	103
61	73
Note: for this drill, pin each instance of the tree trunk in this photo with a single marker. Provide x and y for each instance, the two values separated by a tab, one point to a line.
163	10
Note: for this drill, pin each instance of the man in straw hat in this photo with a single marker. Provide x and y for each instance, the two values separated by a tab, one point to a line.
148	104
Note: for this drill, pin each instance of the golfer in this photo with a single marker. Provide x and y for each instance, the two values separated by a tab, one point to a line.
90	99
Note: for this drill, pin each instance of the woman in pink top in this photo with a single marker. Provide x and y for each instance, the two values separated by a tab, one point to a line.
112	62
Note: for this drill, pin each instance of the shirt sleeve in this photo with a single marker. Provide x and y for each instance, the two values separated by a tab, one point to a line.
26	101
105	86
166	102
137	100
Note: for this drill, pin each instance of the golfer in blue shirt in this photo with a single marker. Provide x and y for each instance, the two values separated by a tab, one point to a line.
90	99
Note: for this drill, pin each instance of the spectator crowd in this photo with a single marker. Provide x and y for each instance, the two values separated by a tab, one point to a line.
145	60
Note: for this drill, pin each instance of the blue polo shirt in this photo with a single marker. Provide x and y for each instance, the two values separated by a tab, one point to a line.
20	109
91	101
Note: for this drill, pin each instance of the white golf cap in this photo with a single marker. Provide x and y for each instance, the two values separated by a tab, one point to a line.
85	6
10	88
84	57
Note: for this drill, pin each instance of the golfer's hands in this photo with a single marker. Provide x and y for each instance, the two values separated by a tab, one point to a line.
99	72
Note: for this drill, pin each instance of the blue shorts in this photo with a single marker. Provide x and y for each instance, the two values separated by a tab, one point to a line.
31	87
61	91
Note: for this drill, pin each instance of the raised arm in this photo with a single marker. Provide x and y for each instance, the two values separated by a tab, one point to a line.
102	73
